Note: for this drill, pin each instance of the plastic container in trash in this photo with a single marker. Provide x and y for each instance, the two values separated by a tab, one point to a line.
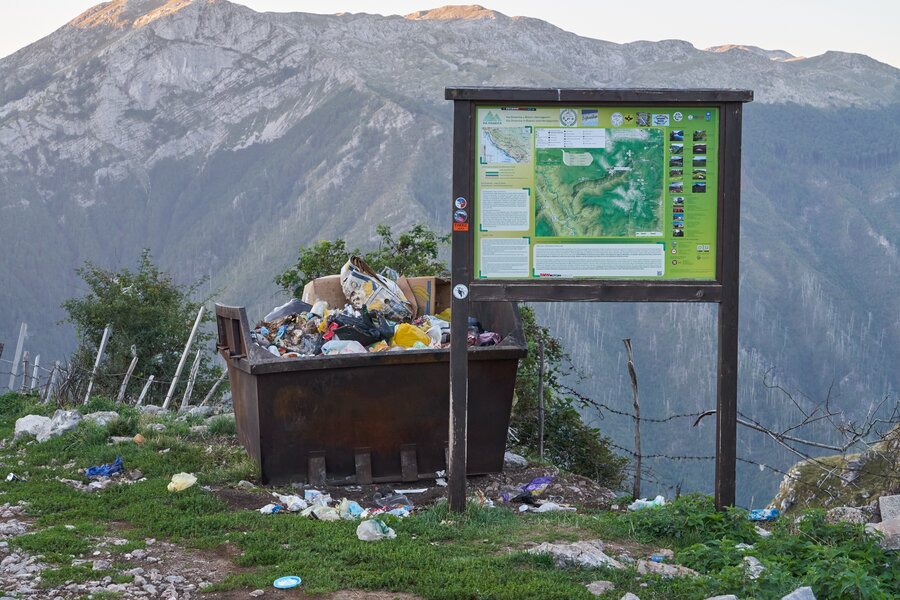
368	418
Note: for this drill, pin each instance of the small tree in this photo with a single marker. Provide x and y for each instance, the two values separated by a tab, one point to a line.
147	310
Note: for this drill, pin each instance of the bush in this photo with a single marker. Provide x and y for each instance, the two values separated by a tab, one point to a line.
692	518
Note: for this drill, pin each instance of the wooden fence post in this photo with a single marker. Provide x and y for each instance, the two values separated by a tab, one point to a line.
636	487
213	389
24	373
35	374
189	389
100	352
187	348
23	331
131	367
144	391
51	381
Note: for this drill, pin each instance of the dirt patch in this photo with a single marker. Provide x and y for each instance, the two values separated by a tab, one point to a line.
565	489
297	594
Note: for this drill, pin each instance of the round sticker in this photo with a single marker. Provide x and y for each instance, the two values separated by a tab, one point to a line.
568	117
460	216
616	119
460	291
283	583
460	203
677	116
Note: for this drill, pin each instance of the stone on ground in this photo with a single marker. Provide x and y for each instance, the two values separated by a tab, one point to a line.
511	460
889	507
629	596
845	514
102	418
804	593
578	554
648	566
600	587
891	532
725	597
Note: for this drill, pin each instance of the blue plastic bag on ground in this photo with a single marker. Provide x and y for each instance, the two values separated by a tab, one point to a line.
763	514
105	470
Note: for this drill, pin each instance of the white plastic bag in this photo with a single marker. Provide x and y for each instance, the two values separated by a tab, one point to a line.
644	503
292	503
181	481
374	530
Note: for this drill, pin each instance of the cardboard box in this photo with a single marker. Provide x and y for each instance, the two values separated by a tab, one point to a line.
432	294
325	288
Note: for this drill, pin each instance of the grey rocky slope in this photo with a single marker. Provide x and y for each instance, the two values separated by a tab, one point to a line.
223	138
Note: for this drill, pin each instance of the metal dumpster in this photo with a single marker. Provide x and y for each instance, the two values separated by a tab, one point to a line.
367	418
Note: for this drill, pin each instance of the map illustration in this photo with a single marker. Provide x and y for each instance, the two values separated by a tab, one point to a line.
506	145
615	190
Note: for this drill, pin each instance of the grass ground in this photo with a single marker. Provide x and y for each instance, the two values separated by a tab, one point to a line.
436	555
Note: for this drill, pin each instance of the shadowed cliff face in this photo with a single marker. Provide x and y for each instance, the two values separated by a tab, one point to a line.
223	139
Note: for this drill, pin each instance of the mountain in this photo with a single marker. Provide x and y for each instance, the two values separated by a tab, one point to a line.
223	139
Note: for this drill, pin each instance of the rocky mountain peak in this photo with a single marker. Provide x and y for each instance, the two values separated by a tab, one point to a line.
779	55
456	12
121	14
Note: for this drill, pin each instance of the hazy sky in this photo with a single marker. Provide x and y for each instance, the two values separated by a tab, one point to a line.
802	27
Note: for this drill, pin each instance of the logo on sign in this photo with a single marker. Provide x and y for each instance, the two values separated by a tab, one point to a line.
460	203
460	291
661	120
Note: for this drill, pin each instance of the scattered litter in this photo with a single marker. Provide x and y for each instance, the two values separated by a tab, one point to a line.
349	510
531	490
245	485
317	498
181	481
107	470
415	491
269	509
763	514
642	503
392	501
283	583
441	480
324	513
14	477
373	530
138	439
552	507
291	503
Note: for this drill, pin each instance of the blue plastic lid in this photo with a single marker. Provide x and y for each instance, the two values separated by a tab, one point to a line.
283	583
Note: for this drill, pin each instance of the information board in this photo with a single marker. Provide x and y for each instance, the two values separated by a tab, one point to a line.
615	192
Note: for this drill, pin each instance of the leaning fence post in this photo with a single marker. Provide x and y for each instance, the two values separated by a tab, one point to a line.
213	389
189	389
24	372
128	373
636	487
187	348
144	391
100	352
23	330
51	382
35	375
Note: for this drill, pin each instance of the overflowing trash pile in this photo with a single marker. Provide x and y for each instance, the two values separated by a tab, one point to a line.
360	311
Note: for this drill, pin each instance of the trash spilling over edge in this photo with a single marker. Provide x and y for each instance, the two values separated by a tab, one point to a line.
360	312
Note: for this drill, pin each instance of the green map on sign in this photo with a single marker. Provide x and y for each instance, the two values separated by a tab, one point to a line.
613	191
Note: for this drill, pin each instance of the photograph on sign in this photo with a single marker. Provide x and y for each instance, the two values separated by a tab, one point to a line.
611	192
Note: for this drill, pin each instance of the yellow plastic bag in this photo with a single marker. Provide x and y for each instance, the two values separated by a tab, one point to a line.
444	315
181	481
407	335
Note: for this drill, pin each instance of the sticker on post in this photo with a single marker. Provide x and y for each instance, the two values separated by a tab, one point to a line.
461	291
460	227
460	202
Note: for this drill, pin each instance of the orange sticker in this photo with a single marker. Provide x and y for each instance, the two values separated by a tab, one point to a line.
460	227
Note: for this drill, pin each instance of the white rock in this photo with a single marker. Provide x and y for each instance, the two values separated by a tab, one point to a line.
61	422
256	593
889	506
152	409
845	514
200	411
585	554
753	568
629	596
35	425
804	593
648	566
891	532
600	587
102	418
511	460
725	597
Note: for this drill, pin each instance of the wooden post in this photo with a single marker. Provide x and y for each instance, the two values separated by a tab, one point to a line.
24	373
144	391
461	276
213	389
189	389
124	386
51	381
729	275
1	349
636	486
35	374
187	348
23	331
97	362
540	392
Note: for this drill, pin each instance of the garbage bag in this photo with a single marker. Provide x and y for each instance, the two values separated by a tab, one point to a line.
181	481
325	513
407	335
270	509
641	503
292	503
349	510
291	307
363	329
342	347
763	514
364	287
374	530
107	470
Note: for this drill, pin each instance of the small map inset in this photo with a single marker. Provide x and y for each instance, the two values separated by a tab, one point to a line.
506	145
615	190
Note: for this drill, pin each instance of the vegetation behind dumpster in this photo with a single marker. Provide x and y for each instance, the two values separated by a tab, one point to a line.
568	442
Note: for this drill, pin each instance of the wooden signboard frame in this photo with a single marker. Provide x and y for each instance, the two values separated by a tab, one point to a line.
722	291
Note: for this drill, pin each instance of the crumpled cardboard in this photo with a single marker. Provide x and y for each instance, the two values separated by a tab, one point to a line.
363	286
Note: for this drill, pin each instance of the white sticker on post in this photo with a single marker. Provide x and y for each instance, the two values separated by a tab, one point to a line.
505	210
504	257
599	260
